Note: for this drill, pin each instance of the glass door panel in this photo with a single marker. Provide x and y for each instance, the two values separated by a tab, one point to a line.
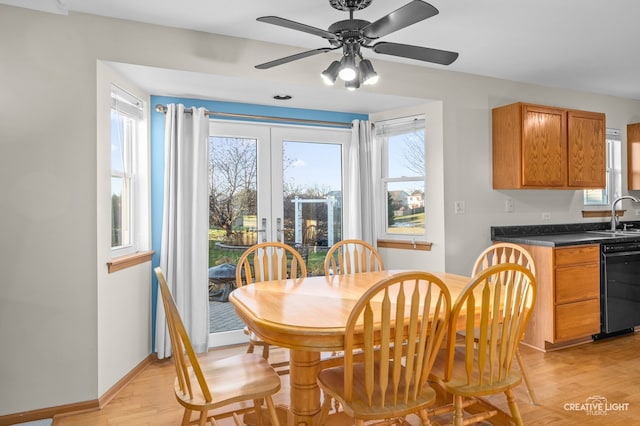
312	198
234	153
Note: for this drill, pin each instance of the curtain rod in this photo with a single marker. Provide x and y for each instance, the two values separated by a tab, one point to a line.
162	108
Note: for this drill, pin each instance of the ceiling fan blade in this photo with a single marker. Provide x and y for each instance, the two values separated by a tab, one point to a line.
297	26
291	58
408	14
443	57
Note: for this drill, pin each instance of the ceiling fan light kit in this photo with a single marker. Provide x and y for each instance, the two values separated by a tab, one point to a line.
352	35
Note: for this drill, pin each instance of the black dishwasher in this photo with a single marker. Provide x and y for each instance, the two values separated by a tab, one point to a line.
619	288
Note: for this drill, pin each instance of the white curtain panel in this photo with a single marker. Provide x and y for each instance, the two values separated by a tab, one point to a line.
184	252
360	214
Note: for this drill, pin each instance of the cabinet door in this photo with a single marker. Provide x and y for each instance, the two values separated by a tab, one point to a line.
586	150
633	156
544	147
576	320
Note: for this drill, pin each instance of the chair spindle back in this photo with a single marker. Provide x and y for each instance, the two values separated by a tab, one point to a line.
352	256
400	324
504	253
269	261
500	298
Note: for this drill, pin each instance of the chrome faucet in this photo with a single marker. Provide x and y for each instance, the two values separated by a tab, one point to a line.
613	208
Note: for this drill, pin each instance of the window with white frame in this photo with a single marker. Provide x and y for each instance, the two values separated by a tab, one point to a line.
403	176
613	189
127	119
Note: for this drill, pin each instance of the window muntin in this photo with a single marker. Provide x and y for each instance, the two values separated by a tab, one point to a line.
403	176
126	121
613	189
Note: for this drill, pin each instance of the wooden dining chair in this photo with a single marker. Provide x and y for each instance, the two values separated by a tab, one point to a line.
265	262
500	298
212	385
509	253
392	336
352	256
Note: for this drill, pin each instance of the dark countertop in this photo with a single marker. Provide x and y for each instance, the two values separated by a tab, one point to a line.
562	235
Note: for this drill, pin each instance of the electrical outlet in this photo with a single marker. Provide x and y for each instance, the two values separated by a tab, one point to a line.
458	207
637	212
508	206
546	216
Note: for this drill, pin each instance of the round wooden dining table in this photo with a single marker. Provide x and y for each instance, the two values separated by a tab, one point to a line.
308	316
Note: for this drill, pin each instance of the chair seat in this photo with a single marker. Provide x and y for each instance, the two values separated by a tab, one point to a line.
461	387
332	381
236	378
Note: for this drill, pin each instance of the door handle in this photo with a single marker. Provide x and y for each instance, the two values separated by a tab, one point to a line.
279	230
263	230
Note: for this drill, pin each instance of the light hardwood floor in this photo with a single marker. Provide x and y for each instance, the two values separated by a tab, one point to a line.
563	379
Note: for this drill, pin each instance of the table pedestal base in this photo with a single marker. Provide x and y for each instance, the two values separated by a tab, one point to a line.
305	393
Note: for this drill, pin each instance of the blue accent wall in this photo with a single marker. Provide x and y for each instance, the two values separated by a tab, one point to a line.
157	155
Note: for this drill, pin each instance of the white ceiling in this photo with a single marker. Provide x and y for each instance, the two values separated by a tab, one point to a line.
586	45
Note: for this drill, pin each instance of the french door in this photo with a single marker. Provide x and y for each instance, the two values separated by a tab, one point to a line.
269	183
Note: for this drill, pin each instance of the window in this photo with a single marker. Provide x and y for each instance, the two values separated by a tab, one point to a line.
127	119
613	189
403	176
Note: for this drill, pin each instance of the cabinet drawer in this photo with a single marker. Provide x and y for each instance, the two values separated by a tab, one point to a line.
577	254
579	319
579	282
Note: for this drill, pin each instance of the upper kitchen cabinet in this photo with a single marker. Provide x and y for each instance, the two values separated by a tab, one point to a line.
633	156
536	146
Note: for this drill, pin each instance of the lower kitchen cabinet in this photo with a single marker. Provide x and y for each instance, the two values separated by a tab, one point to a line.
567	308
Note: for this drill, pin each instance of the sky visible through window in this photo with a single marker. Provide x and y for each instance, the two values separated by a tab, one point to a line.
313	164
399	152
319	164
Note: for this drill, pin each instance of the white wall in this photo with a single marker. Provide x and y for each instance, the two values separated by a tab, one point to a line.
48	325
56	345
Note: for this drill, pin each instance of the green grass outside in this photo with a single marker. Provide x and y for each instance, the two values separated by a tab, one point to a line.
415	224
219	255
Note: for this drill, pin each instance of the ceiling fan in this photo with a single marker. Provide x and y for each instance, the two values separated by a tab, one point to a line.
352	35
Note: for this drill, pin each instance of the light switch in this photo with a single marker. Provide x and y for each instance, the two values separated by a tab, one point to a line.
508	206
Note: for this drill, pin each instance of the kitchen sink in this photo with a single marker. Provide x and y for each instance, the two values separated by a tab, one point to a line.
617	232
